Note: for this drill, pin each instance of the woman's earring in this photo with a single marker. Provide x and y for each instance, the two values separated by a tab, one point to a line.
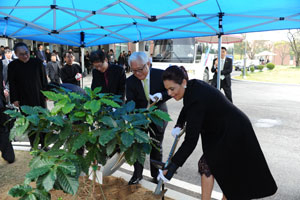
184	86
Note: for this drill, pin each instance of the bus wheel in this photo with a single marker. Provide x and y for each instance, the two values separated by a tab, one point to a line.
206	76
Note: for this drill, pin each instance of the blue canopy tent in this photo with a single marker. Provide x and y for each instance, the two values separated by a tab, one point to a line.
95	22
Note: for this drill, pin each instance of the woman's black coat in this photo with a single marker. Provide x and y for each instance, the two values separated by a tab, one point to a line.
229	143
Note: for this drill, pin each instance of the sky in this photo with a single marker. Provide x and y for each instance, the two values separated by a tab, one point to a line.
268	35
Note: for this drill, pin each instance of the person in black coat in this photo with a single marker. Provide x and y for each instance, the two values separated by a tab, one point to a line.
71	72
231	152
111	78
225	78
5	145
27	78
143	87
40	53
53	69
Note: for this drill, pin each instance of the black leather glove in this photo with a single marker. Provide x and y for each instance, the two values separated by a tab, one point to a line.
172	167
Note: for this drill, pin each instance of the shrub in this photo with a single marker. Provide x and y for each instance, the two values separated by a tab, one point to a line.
242	72
94	121
260	67
270	66
252	69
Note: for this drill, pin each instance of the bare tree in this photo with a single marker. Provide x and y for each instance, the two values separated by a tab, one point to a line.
294	38
282	48
257	46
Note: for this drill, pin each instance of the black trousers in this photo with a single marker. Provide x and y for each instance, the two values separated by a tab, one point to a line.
225	87
6	148
154	155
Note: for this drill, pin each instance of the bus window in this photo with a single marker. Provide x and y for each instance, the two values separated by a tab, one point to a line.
174	50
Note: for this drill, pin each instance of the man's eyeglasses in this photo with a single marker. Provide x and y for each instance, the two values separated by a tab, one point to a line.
139	70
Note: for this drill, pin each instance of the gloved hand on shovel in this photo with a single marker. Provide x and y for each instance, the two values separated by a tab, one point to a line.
176	131
168	173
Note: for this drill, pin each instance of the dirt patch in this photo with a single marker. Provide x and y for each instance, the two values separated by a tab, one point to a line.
113	188
13	174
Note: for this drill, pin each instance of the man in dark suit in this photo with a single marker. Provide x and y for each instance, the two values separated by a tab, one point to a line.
139	87
111	78
226	69
41	54
5	62
5	145
53	69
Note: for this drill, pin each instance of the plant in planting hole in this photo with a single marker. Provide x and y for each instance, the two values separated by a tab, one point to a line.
95	121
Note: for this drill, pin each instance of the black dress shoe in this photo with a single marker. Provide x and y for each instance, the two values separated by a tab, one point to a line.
134	180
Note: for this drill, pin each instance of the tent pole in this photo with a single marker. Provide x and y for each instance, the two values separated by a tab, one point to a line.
219	63
82	64
219	49
245	51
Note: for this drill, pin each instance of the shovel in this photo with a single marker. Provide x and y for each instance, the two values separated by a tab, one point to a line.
158	190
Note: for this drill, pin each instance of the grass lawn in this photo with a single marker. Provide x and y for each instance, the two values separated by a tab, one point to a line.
280	74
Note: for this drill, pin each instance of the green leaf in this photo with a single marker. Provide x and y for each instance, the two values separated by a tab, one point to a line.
28	110
31	197
141	156
89	119
79	142
42	194
110	148
20	126
34	119
75	95
130	106
130	156
19	190
68	167
141	136
147	148
163	115
128	118
107	135
13	113
87	105
42	110
57	120
36	172
95	106
142	122
65	131
49	180
68	108
68	183
110	103
53	96
127	139
79	114
156	120
88	91
56	108
97	90
108	121
38	162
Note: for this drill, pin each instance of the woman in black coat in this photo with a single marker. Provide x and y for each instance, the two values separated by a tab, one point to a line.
231	152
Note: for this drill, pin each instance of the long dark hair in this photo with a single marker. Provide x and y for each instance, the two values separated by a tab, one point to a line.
176	74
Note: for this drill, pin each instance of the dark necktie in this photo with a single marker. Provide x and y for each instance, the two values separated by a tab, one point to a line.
106	78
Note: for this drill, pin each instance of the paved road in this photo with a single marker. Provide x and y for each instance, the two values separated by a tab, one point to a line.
274	110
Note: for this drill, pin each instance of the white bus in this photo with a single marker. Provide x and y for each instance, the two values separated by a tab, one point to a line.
185	52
